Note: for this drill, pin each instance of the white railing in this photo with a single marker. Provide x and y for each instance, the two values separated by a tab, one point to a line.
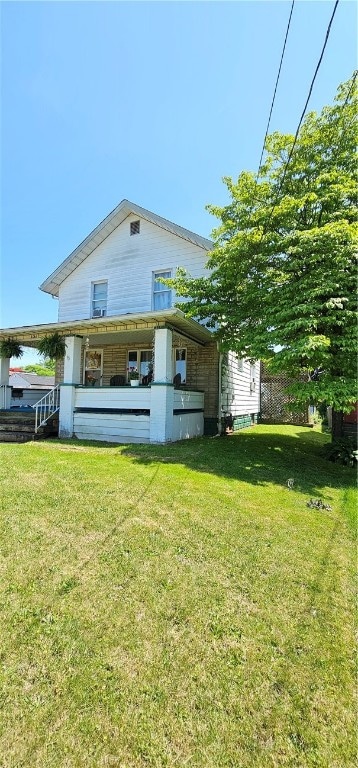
47	407
3	398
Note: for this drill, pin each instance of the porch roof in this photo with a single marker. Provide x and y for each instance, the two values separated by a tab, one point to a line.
113	328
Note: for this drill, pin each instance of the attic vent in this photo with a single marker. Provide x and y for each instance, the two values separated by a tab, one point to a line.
135	227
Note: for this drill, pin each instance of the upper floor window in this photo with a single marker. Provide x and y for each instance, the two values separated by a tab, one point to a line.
162	295
99	299
134	227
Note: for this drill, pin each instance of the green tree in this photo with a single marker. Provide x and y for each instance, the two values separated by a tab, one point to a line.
41	370
282	281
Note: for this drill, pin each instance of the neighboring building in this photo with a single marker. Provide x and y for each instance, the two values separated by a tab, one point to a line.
28	388
117	318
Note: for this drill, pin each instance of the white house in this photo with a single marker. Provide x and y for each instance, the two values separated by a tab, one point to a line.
117	318
27	388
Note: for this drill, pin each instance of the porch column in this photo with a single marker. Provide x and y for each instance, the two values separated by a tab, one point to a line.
71	377
4	382
162	388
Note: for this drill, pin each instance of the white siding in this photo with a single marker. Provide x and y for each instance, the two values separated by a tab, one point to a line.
113	397
188	400
30	397
240	390
111	428
187	425
127	262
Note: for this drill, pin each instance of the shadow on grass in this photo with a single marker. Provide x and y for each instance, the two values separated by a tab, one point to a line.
254	457
259	456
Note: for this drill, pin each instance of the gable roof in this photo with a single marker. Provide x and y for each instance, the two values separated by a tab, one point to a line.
105	228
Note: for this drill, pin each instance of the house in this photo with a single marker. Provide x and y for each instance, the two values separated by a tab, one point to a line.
28	388
119	319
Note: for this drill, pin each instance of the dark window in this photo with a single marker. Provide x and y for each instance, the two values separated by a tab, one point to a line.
135	227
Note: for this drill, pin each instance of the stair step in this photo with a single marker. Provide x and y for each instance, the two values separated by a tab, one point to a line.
17	426
16	416
16	437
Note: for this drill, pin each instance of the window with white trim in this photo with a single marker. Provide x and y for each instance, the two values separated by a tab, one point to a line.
99	299
140	360
93	367
252	378
180	364
162	295
240	364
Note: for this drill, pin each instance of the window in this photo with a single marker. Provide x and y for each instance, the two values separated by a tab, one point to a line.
162	295
240	365
180	364
99	299
141	360
93	367
252	378
135	227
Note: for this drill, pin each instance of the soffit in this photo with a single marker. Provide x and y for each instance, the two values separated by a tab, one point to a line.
113	329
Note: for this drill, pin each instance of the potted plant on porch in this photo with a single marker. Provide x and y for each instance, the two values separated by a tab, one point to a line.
53	346
133	377
10	348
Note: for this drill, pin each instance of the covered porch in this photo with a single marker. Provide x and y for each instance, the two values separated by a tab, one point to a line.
173	357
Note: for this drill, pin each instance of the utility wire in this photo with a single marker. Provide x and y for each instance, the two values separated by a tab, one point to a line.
276	84
302	115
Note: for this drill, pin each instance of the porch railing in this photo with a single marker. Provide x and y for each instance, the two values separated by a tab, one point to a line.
47	407
3	392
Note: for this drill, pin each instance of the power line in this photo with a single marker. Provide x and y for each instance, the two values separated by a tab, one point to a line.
303	113
276	84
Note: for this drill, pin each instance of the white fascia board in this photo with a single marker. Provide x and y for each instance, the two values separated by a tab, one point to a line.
174	317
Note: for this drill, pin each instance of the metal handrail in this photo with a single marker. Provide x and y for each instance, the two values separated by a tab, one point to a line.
47	407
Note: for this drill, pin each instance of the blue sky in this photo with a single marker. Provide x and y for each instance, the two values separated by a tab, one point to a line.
150	101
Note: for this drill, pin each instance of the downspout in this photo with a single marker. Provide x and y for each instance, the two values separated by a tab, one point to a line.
219	390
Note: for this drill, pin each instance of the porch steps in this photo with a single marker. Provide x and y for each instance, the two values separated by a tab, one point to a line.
19	427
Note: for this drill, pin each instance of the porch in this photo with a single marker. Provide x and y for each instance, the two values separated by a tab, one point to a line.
176	363
128	415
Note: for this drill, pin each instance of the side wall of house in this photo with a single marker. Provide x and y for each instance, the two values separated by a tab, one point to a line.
127	262
240	389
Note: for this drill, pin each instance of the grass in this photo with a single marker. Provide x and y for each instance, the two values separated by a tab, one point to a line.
177	605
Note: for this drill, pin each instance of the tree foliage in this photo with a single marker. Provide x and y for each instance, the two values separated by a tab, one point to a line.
282	281
41	370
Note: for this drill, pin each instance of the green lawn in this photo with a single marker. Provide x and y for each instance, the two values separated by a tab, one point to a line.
177	605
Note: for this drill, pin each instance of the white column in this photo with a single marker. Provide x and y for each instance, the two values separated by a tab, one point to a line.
163	360
71	377
162	389
4	382
72	367
161	413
